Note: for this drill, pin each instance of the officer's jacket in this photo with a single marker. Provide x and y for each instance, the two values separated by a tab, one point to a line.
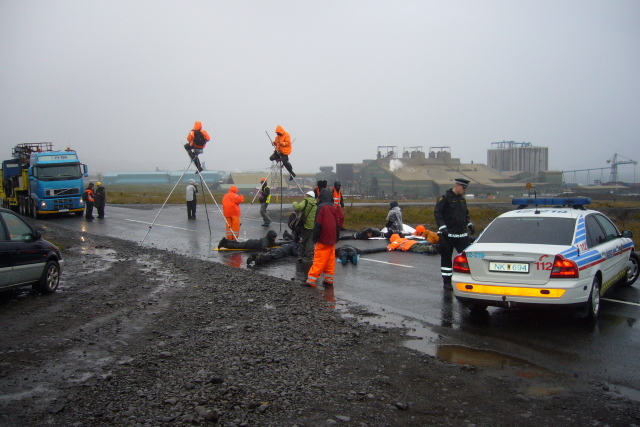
451	210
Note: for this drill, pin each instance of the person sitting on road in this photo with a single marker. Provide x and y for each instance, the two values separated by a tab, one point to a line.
264	243
407	245
394	220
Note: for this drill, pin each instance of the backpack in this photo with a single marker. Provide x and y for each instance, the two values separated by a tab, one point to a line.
198	139
297	219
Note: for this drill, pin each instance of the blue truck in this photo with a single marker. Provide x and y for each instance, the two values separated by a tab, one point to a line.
38	181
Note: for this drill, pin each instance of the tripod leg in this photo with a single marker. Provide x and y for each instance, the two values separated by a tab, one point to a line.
165	202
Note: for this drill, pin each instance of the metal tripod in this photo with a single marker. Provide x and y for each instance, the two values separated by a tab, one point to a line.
205	204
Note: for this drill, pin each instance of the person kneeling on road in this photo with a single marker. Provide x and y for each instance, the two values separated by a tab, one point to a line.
348	253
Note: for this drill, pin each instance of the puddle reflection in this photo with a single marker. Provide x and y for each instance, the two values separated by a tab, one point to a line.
490	359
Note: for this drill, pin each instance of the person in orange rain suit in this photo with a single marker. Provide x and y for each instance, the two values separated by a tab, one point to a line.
197	138
325	236
407	245
431	236
338	201
231	211
282	150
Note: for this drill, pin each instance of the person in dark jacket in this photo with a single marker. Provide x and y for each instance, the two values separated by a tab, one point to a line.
264	197
319	186
325	235
365	234
101	199
286	250
452	219
264	243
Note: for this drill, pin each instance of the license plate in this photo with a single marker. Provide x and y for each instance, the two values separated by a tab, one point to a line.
63	210
509	267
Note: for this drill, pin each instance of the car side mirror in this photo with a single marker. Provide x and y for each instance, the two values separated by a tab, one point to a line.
627	233
36	235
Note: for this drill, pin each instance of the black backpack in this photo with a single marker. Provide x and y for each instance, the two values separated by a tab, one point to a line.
198	139
297	219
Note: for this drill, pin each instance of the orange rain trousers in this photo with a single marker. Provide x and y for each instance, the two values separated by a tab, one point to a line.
234	222
324	261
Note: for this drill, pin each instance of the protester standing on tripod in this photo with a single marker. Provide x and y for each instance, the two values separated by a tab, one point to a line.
231	210
197	138
264	197
283	148
192	201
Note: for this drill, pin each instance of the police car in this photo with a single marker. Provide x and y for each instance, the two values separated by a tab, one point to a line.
562	254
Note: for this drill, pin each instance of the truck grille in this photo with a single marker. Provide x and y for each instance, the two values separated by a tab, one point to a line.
63	204
63	191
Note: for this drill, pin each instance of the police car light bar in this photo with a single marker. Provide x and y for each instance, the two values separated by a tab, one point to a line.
552	201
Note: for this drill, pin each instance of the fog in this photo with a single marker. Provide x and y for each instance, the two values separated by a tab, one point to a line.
122	82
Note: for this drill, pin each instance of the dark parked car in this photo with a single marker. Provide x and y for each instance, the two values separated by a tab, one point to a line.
26	258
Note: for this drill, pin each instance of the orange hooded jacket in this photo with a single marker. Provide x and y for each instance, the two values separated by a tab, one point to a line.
431	236
231	202
400	243
205	134
283	142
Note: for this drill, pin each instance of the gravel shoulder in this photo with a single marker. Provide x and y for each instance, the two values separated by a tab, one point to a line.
139	336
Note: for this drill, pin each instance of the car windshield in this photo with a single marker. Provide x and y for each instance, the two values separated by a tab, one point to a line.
58	172
530	230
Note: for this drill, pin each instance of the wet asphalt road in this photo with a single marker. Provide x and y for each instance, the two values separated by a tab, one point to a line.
405	289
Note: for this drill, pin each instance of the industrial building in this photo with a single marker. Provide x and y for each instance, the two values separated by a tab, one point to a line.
418	175
518	156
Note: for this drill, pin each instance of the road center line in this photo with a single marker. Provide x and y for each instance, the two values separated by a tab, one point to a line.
160	225
621	302
384	262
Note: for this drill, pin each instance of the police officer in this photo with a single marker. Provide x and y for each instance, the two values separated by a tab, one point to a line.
452	218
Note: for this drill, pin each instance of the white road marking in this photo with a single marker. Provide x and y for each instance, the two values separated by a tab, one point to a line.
384	262
160	225
621	302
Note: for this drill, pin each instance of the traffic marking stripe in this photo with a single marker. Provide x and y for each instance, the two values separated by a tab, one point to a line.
621	302
384	262
160	225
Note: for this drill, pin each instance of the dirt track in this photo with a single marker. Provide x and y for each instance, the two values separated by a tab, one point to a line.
145	337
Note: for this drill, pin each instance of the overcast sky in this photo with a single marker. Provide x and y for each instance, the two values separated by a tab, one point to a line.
123	81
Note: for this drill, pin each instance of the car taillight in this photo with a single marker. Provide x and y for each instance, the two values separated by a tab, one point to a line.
461	264
564	268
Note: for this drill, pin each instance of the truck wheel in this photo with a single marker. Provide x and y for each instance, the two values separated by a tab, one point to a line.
50	278
34	211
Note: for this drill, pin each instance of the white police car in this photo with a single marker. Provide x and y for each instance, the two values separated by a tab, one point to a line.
558	255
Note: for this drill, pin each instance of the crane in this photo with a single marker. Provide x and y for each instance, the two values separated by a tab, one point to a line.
614	166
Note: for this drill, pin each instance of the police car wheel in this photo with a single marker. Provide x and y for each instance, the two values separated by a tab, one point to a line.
594	300
632	270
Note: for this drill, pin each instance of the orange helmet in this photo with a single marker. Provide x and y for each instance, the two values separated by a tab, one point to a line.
419	230
263	179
